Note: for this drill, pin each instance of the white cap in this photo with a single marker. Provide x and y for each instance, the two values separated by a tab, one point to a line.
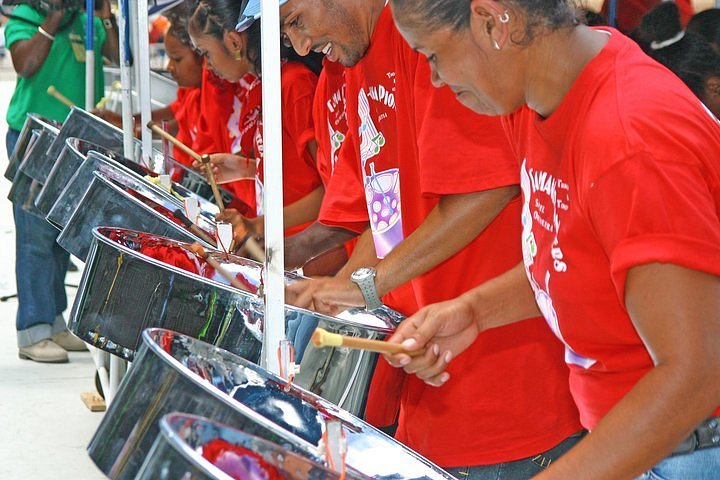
250	13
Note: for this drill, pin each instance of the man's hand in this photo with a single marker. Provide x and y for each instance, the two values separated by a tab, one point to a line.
227	167
328	295
446	329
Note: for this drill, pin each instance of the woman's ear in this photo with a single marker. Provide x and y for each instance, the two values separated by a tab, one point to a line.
236	44
489	23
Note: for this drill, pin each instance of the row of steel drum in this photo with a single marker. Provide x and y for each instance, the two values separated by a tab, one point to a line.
194	340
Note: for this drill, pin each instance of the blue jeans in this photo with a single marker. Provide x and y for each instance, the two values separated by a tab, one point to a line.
518	469
698	465
40	267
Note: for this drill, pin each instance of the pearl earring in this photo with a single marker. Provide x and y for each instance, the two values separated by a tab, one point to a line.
496	45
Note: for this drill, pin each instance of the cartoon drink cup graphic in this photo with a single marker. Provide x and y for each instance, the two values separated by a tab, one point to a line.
382	193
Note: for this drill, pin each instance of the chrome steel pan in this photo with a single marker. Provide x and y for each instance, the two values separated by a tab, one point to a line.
70	180
67	164
118	199
25	188
173	372
83	124
185	442
33	121
130	283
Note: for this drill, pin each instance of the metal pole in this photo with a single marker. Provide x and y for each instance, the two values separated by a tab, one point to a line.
143	61
274	233
126	79
90	55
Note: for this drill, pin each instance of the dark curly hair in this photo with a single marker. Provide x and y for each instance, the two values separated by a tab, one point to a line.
216	17
542	15
691	58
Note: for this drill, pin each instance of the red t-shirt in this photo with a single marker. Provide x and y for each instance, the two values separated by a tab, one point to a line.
186	109
329	117
300	175
606	187
630	12
415	142
240	130
216	106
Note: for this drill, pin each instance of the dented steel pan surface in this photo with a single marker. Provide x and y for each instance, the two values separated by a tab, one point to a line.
194	447
119	198
135	280
173	372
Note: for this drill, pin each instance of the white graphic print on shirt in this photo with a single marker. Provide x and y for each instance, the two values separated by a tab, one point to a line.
533	184
382	189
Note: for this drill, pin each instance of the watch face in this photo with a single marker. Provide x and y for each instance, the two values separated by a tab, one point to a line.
362	273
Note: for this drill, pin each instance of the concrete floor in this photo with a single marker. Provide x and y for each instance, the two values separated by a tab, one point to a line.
44	426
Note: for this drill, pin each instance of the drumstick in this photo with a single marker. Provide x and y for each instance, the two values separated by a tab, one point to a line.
53	92
198	250
252	246
323	338
157	129
204	159
194	228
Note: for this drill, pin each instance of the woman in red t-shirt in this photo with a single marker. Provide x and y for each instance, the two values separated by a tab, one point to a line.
230	41
621	230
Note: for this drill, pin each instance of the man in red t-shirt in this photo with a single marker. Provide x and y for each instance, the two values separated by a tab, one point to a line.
402	129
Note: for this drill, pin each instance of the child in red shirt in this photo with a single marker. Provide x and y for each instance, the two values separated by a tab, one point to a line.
235	56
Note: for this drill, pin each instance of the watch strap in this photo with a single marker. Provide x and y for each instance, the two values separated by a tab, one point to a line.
369	292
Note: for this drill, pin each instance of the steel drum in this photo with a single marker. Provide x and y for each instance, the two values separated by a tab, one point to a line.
73	173
134	280
67	164
115	197
25	188
189	447
32	122
174	372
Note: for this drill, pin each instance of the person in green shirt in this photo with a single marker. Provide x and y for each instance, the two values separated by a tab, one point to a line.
48	48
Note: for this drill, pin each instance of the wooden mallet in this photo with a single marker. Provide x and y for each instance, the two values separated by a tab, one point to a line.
204	159
253	248
53	92
198	250
323	338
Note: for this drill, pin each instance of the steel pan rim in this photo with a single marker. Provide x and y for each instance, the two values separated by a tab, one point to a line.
180	446
44	122
186	450
111	184
208	388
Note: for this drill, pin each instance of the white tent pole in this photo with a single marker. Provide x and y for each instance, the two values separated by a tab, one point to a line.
273	183
143	60
126	79
90	55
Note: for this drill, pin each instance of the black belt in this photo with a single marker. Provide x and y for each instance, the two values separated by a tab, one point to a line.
706	435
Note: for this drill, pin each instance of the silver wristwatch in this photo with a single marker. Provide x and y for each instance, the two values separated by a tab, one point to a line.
364	278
